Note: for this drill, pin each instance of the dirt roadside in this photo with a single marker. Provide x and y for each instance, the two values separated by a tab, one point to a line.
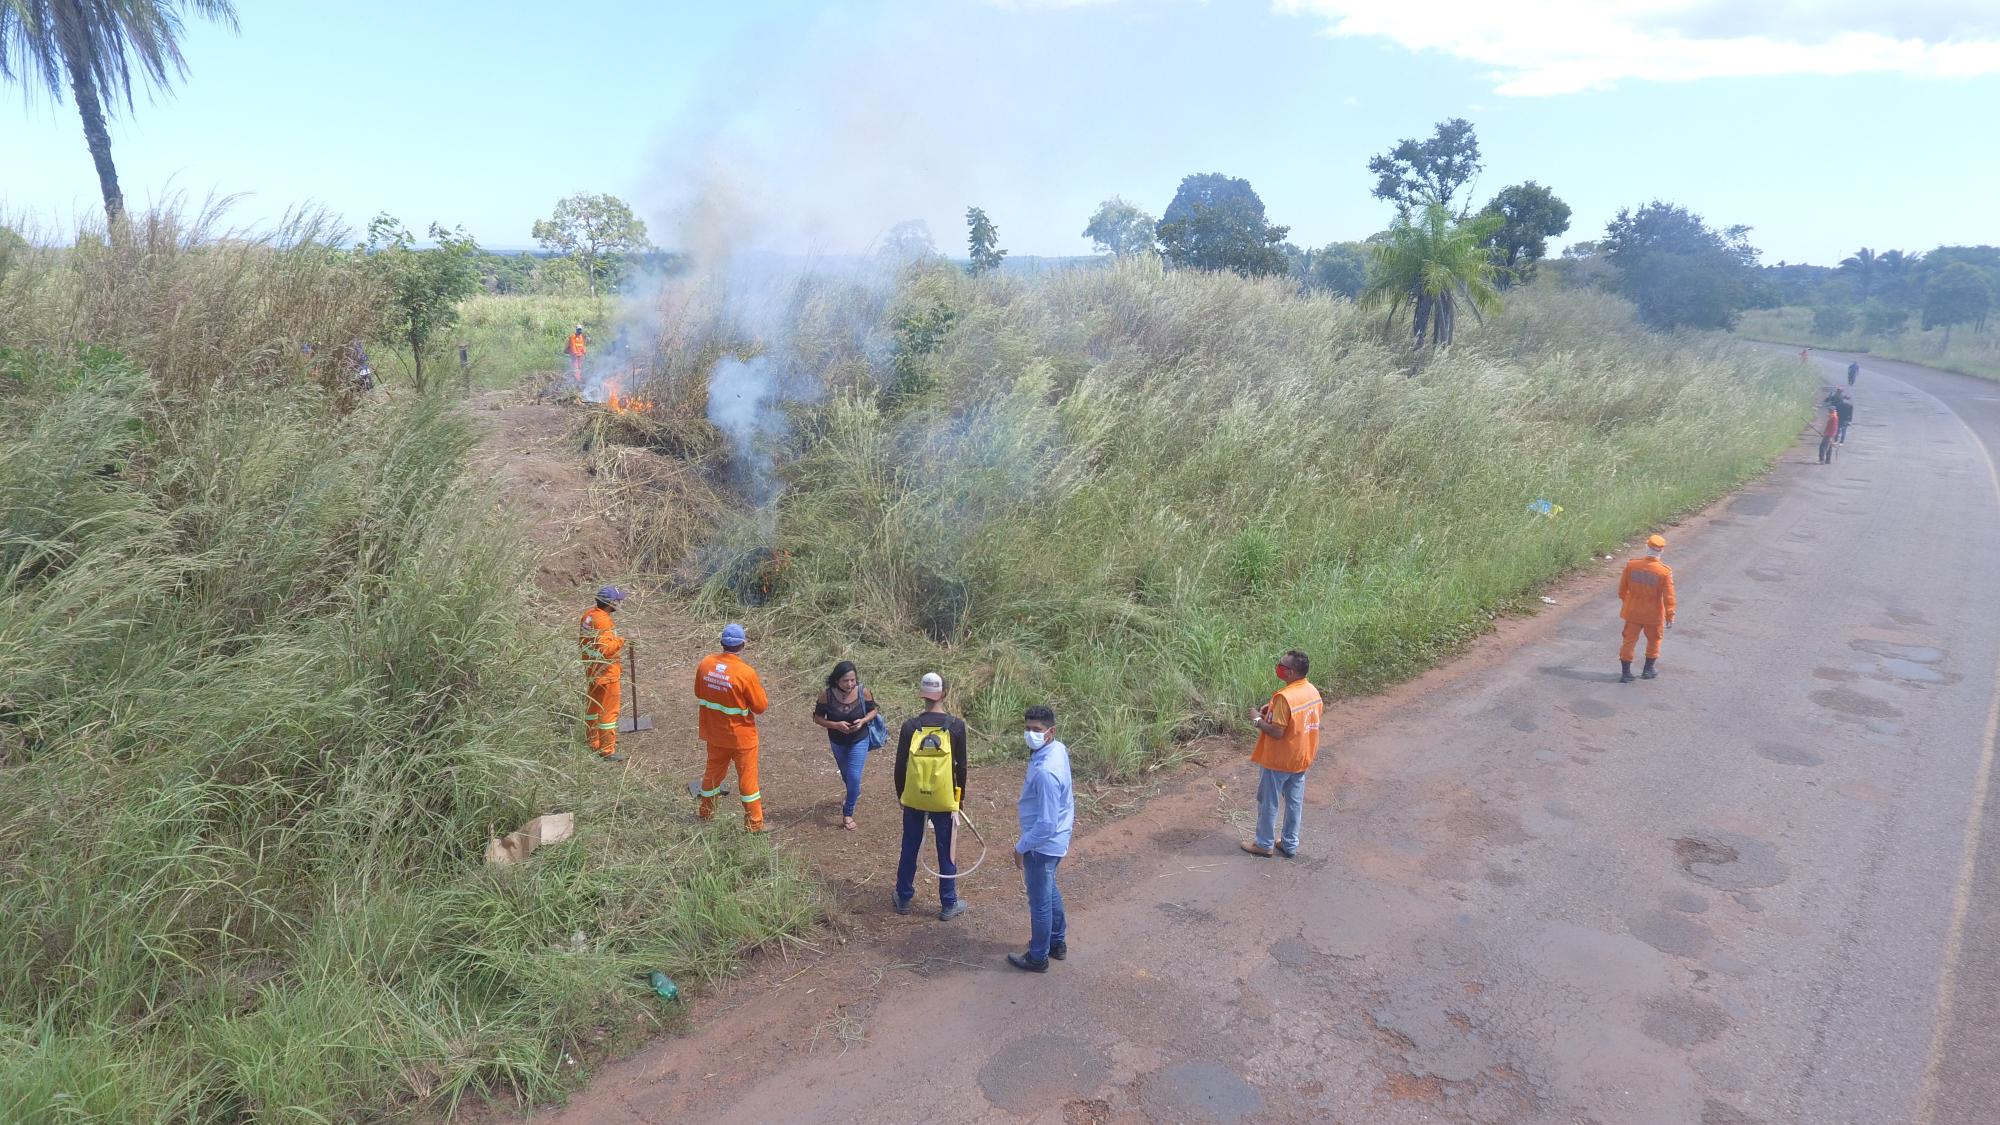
783	1007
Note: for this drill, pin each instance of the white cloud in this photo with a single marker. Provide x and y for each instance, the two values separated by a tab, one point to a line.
1539	48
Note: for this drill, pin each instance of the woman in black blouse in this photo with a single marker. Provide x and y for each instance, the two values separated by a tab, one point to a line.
846	710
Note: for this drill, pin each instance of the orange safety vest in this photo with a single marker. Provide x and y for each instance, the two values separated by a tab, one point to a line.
1647	589
1296	707
601	645
730	698
576	343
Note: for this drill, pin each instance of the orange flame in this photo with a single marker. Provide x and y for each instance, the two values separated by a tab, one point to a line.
620	404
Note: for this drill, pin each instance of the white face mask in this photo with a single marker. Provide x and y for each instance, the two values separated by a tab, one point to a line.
1035	739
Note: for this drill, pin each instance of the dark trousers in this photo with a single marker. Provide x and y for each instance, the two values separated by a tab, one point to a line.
913	839
1825	450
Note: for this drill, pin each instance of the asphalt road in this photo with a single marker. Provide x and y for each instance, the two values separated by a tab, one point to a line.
1762	888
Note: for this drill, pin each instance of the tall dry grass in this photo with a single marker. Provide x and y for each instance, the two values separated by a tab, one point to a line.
1125	491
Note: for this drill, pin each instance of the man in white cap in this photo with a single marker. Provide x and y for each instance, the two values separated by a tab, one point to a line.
931	753
730	698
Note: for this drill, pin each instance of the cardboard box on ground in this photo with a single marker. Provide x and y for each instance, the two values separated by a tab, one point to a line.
517	846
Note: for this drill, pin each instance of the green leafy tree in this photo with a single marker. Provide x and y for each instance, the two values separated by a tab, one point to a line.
1832	320
424	285
908	241
1415	172
1340	268
1957	294
1861	266
596	231
1679	271
983	239
1530	215
1879	318
92	48
1434	264
1121	229
1216	222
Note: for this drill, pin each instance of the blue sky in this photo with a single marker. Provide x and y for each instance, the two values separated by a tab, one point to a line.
1823	125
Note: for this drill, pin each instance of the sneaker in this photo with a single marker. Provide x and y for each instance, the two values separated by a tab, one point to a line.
1058	949
954	910
1027	964
614	756
901	905
1256	849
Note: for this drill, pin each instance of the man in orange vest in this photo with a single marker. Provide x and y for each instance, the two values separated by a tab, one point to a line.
1287	743
601	645
1646	590
574	349
730	699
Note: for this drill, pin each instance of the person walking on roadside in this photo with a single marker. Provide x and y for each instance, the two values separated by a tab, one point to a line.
730	697
1853	370
1646	597
1843	409
601	647
1287	743
931	752
1048	813
574	348
848	713
1828	430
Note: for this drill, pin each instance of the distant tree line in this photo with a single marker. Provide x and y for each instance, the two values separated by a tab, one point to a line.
1880	294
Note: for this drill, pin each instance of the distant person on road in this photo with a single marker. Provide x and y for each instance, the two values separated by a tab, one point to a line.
1843	409
1646	594
574	348
1853	370
1805	355
931	753
1828	430
848	713
1287	743
602	646
1048	813
730	697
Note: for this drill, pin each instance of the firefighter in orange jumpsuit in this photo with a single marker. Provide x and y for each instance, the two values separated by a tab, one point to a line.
730	698
1647	591
601	646
574	349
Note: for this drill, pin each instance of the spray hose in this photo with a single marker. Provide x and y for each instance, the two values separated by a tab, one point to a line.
962	872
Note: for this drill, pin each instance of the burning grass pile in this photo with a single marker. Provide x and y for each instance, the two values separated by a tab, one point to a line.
1125	491
268	680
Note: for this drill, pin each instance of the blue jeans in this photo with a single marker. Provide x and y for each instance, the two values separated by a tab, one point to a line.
913	839
1045	904
850	759
1272	787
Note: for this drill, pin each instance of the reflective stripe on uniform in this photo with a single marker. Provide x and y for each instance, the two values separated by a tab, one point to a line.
749	797
607	726
721	708
715	792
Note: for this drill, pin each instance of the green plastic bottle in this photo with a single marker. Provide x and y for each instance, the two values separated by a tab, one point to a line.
665	986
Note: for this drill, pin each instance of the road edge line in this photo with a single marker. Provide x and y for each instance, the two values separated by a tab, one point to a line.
1968	864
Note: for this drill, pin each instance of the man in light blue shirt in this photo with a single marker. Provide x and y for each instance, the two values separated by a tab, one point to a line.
1048	813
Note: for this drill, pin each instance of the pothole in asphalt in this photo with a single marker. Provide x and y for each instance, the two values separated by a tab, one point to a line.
1837	675
1764	574
1729	861
1670	933
1788	754
1722	1113
1200	1091
1912	671
1854	703
1592	708
1038	1072
1684	1021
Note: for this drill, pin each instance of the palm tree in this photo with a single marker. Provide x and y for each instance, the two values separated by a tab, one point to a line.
1861	264
1434	263
93	46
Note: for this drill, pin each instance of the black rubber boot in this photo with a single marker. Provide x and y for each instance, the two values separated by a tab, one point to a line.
1624	671
1647	672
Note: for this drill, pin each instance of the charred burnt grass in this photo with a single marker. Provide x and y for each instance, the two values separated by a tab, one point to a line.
1125	492
267	682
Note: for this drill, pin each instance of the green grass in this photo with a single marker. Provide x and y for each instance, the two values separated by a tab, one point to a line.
1125	492
518	339
268	677
1970	353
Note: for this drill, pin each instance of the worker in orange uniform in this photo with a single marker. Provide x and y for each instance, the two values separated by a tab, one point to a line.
601	647
730	698
1647	591
574	349
1287	743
